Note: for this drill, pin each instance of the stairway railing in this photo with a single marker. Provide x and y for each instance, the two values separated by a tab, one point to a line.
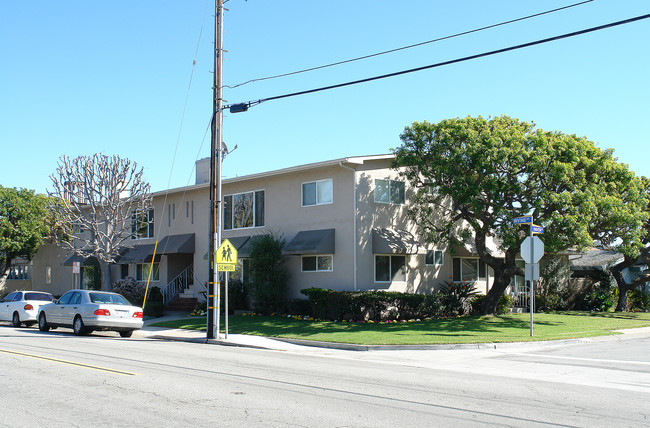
180	282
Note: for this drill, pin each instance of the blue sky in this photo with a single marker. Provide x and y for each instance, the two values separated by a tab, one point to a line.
82	77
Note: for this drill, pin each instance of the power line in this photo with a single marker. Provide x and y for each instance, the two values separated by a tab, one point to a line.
245	105
406	47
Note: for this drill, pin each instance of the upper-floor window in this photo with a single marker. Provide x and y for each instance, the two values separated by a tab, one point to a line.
434	258
390	192
142	225
243	210
317	192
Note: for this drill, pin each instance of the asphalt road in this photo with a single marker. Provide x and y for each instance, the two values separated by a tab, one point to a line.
58	379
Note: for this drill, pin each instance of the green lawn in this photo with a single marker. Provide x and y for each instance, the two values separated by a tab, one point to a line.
489	329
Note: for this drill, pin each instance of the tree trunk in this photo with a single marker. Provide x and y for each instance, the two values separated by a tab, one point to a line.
623	287
106	275
491	301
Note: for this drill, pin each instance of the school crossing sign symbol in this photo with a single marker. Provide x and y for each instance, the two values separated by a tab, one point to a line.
226	257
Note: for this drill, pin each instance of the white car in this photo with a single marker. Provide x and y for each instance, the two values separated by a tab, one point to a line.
87	310
21	307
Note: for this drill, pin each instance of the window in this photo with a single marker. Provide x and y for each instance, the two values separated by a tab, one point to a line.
434	258
189	211
11	297
48	275
390	192
390	268
142	225
124	271
317	193
142	271
65	299
243	210
317	263
468	269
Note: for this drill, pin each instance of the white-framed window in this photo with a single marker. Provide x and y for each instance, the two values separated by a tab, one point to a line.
390	268
142	271
322	263
48	275
390	192
468	269
434	258
243	210
142	225
317	192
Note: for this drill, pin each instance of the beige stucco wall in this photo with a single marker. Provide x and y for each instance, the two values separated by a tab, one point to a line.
186	210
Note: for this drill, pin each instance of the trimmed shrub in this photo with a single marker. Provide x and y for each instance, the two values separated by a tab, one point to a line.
503	306
154	306
132	290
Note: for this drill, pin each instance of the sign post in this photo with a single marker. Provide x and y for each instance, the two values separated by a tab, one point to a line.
531	250
226	257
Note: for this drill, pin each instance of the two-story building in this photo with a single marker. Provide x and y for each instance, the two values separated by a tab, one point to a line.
344	221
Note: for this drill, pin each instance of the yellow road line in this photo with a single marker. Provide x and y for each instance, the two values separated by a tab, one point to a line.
71	363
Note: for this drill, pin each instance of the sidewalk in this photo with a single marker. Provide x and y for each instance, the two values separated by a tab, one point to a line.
260	342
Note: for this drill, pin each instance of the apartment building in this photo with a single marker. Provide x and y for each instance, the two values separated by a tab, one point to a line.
344	221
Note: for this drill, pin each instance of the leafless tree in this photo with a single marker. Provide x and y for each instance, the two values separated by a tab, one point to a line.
99	200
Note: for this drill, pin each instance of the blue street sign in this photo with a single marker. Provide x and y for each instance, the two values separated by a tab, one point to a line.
538	229
522	220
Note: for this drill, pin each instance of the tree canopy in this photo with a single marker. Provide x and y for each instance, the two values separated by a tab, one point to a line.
474	175
99	200
24	224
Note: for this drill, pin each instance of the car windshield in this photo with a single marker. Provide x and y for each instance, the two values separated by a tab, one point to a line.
111	298
39	296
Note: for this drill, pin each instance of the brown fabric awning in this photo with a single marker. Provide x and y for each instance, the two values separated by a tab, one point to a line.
311	242
172	244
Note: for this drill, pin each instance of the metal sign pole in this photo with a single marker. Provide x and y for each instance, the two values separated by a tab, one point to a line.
225	313
532	247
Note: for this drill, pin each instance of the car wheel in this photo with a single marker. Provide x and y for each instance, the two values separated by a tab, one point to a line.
15	320
42	323
126	333
78	326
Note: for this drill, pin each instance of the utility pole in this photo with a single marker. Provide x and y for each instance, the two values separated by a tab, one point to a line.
214	289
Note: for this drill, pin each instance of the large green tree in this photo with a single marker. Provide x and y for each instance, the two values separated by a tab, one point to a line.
474	175
631	257
23	225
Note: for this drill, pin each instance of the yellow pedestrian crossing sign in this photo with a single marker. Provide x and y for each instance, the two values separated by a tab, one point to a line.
226	257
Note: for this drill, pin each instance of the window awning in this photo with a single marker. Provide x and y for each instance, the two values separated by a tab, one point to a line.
172	244
83	261
311	242
389	241
240	243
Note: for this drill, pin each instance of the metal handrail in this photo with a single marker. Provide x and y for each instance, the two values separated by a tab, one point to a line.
180	282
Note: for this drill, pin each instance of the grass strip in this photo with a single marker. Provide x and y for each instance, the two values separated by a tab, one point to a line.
472	329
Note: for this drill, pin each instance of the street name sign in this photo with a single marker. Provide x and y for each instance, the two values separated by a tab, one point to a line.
522	220
537	229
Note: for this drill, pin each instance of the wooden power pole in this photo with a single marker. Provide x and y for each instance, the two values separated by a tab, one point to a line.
215	177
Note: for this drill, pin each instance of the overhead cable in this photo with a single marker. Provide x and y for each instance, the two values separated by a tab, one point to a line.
406	47
440	64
